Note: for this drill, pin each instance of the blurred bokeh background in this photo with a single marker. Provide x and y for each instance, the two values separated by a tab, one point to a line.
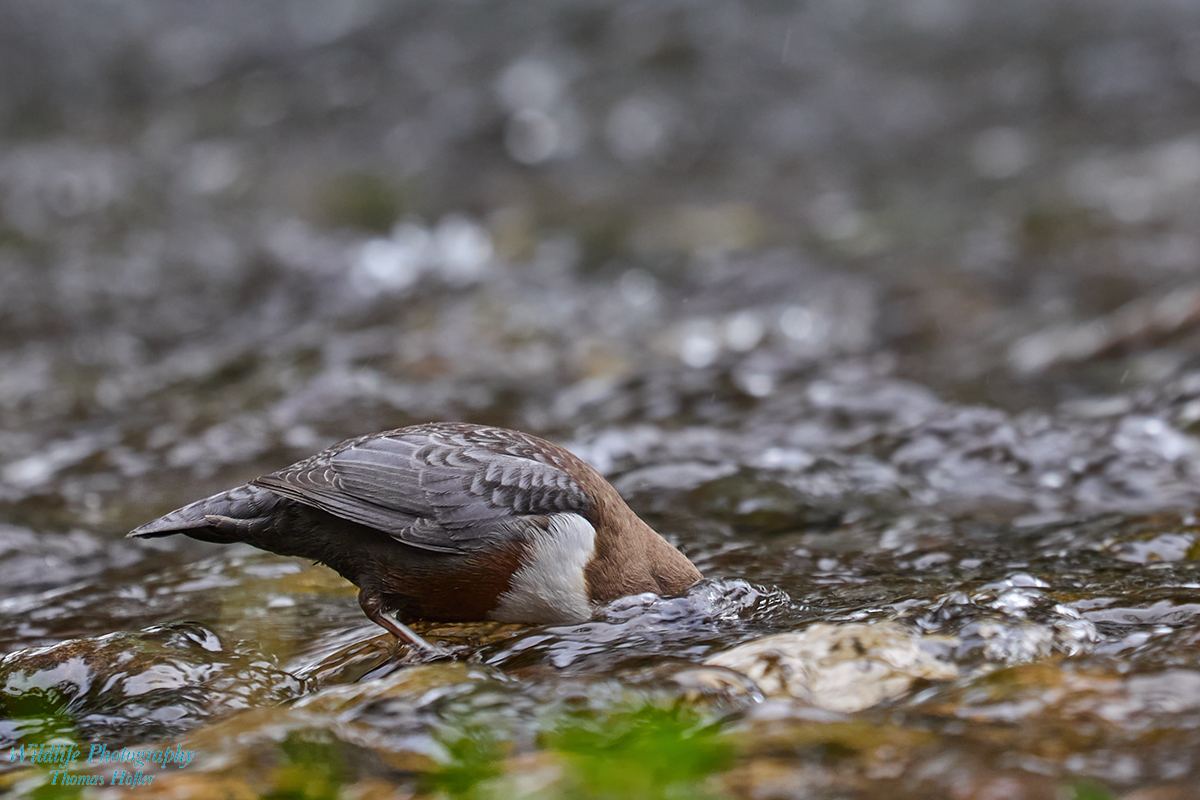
915	274
233	229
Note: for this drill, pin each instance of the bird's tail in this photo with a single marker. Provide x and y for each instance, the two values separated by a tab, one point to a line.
220	518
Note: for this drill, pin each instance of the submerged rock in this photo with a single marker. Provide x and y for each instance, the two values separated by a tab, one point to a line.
842	667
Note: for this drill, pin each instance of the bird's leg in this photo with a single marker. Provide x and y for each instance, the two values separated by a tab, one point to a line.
372	606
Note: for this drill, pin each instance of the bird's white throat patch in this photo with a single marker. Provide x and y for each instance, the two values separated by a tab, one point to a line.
550	586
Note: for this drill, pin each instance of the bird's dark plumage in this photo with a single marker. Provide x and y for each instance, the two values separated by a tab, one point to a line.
438	487
448	521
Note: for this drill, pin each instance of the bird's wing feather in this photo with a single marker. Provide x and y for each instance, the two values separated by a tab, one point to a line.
432	488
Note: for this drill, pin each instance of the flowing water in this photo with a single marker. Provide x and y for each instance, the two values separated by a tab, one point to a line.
884	314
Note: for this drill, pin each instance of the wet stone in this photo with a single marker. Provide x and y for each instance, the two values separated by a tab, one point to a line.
842	667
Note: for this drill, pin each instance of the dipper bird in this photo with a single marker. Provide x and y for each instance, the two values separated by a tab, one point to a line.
448	521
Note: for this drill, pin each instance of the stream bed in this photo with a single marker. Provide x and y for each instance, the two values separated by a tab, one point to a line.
886	317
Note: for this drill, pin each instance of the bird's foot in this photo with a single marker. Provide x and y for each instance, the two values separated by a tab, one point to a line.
419	650
426	653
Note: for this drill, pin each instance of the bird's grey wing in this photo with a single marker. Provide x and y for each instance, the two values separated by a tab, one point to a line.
435	491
